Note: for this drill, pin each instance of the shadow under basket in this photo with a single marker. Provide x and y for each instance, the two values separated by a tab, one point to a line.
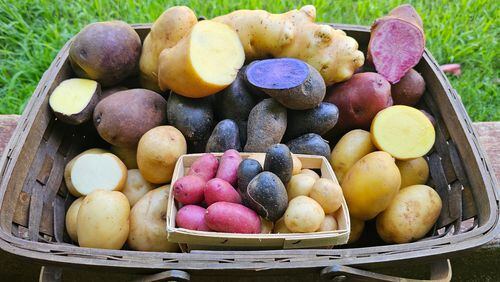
33	196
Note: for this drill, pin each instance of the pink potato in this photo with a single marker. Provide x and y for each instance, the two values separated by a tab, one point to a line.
205	167
189	189
232	218
218	190
228	168
191	217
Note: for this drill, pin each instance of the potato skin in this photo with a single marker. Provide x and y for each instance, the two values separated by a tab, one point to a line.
127	155
300	185
122	118
225	136
309	144
279	161
266	125
218	190
191	217
71	219
107	52
304	215
280	227
357	227
309	172
409	89
413	171
267	195
328	224
135	186
328	194
317	120
188	189
247	170
193	117
410	215
228	168
205	167
232	218
85	114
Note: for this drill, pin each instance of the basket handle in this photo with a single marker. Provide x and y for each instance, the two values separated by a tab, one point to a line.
440	272
54	274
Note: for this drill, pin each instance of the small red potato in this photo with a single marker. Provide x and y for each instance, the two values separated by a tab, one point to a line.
232	218
191	217
218	190
205	167
189	189
228	168
409	89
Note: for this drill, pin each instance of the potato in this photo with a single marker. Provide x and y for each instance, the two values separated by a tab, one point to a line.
191	217
107	52
297	165
328	194
205	167
267	195
260	157
317	120
357	227
122	118
309	172
300	184
351	147
304	215
232	218
402	131
69	166
280	227
292	82
371	184
247	170
225	136
127	155
218	190
409	89
74	100
91	172
136	186
193	117
266	125
310	144
328	224
359	99
413	171
228	168
266	226
167	30
410	215
279	161
195	67
71	218
148	224
103	220
189	189
158	151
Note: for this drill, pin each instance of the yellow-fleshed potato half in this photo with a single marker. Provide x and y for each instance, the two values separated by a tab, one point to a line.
297	165
303	215
371	184
127	155
158	151
309	172
328	224
402	131
299	184
203	62
357	227
266	226
354	145
280	227
328	194
148	223
136	186
410	215
92	172
69	166
414	171
103	220
71	218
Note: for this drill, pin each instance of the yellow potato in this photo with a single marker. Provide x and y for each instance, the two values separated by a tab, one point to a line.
310	173
71	218
410	215
413	171
103	220
280	227
158	151
148	224
266	226
136	186
303	215
371	184
127	155
328	224
328	194
354	145
69	166
357	227
300	184
297	165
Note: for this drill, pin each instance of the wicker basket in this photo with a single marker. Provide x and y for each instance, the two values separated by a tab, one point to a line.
33	197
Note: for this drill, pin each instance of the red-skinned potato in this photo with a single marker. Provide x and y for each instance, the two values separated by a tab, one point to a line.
191	217
232	218
189	189
205	167
228	168
218	190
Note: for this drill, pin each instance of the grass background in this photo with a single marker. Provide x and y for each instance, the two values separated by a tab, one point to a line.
466	32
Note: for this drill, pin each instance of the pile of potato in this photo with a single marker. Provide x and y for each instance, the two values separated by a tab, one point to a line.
255	82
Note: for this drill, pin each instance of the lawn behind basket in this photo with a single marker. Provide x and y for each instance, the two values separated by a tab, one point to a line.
31	33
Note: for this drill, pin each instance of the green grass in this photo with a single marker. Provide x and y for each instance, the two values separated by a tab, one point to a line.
466	32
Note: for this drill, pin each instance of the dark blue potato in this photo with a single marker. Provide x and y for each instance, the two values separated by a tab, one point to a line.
293	83
267	196
247	170
279	161
224	137
310	144
266	125
193	117
318	120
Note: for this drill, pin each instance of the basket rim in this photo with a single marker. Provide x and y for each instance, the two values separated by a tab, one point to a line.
357	256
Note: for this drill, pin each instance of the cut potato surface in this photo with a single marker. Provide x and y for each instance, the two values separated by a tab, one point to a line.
402	131
74	100
92	172
69	167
